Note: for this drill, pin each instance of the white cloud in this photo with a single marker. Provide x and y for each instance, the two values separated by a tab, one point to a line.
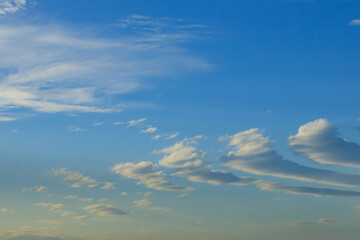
51	222
53	68
79	217
85	199
166	136
36	189
357	208
320	142
142	203
145	173
98	124
10	6
124	194
136	122
3	210
75	129
325	221
107	210
254	153
7	119
77	180
149	130
70	197
355	22
55	208
146	203
317	192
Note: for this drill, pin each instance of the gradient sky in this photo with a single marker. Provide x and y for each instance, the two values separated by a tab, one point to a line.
191	119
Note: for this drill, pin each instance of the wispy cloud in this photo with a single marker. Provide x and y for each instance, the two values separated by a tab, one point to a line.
149	130
145	173
146	203
51	69
77	180
10	6
105	210
36	189
355	22
55	208
75	129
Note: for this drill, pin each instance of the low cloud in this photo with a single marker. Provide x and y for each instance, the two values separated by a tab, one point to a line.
355	22
146	203
145	173
320	141
10	6
149	130
77	180
254	153
40	189
105	210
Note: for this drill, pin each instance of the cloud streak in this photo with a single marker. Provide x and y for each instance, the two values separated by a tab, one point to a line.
254	153
77	180
50	69
320	141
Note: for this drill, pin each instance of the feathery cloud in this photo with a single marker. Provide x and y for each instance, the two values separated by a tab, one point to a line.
10	6
145	173
107	210
77	180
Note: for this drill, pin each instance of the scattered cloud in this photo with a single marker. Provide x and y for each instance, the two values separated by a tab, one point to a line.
181	155
124	194
52	68
320	142
75	129
325	221
136	122
146	203
52	222
313	191
85	199
77	180
98	124
70	197
145	173
10	6
142	203
7	119
107	210
54	208
357	208
307	222
166	136
355	22
254	153
149	130
40	189
79	217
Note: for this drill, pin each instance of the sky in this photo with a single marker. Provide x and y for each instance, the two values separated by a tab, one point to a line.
167	119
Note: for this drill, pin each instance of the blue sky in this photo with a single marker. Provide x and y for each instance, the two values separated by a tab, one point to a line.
179	119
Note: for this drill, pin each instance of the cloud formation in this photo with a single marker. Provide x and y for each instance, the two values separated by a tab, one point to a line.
36	189
53	68
77	180
355	22
105	210
320	141
145	173
10	6
254	153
